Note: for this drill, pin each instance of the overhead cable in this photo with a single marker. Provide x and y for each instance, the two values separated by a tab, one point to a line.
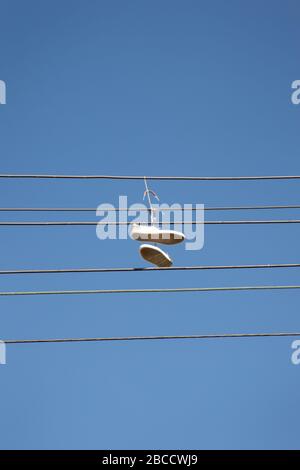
197	222
158	337
172	268
144	209
134	177
149	291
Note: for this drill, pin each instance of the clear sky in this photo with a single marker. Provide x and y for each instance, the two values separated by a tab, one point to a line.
140	87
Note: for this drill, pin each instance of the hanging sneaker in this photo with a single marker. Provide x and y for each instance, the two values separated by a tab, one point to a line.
156	256
156	235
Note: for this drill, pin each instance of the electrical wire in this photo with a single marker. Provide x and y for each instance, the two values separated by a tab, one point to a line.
149	291
172	268
160	337
172	178
205	222
144	209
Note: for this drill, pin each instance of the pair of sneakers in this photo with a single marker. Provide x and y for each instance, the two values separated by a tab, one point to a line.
154	254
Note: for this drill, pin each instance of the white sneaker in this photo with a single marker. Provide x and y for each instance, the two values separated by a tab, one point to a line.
156	235
156	256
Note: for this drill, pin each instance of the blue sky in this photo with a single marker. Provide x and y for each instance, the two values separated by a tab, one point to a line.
160	87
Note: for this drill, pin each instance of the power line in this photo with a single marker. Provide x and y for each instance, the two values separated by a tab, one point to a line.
149	291
144	209
205	222
174	178
160	337
172	268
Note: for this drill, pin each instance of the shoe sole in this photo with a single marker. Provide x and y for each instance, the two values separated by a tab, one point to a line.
156	256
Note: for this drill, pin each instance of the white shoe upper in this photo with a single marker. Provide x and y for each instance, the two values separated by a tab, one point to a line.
156	235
